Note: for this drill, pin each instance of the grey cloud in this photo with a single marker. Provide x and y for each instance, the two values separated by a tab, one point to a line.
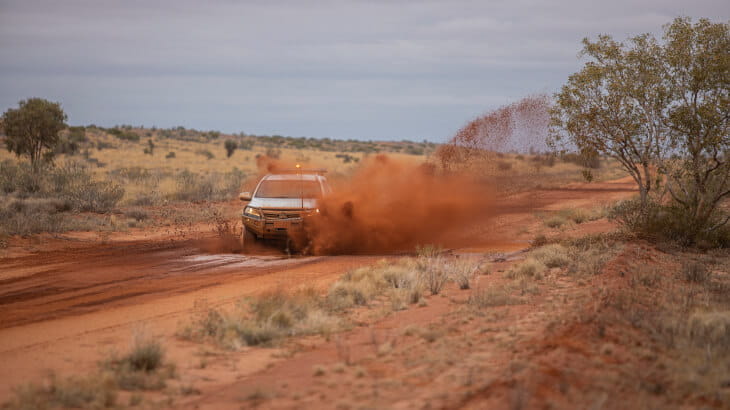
385	69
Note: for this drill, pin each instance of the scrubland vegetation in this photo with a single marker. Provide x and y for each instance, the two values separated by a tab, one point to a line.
274	316
640	311
120	178
143	368
106	180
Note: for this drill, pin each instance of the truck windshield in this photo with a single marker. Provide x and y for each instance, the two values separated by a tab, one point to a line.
288	189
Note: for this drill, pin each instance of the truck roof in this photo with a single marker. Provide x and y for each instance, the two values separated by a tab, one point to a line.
294	177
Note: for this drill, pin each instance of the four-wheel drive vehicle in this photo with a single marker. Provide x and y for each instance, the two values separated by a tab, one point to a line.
280	203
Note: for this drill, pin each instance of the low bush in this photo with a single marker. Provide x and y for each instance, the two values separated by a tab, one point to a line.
552	256
670	223
590	262
264	320
193	187
75	183
71	182
142	368
529	268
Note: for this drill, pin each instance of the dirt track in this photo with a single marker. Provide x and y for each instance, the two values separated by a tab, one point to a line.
63	309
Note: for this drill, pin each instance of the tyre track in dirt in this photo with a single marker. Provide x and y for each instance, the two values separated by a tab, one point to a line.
81	281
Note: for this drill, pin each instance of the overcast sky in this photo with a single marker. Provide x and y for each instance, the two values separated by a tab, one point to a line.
341	69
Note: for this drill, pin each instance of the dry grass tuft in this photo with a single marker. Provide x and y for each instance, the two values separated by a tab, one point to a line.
143	368
694	271
464	271
552	256
71	392
264	320
529	268
492	297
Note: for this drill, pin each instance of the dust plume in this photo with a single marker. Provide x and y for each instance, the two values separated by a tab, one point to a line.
521	127
391	205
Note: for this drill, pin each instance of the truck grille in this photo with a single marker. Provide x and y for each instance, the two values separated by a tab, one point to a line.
282	214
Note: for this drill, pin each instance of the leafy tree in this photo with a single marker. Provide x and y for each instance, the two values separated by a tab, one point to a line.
617	106
697	65
661	110
230	147
32	129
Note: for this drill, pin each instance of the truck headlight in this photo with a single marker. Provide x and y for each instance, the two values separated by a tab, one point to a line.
252	212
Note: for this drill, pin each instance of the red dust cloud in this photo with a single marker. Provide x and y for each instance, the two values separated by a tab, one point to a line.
389	205
520	126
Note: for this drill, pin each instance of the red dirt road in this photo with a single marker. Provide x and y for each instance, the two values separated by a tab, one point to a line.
65	309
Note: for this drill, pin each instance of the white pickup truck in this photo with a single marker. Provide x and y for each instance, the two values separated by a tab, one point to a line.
280	203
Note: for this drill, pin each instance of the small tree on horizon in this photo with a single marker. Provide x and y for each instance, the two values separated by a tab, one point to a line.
33	129
230	146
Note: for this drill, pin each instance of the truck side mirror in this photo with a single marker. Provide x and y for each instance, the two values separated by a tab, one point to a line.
244	196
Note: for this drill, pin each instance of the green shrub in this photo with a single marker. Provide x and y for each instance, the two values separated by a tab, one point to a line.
230	146
74	183
26	217
20	178
670	223
194	187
